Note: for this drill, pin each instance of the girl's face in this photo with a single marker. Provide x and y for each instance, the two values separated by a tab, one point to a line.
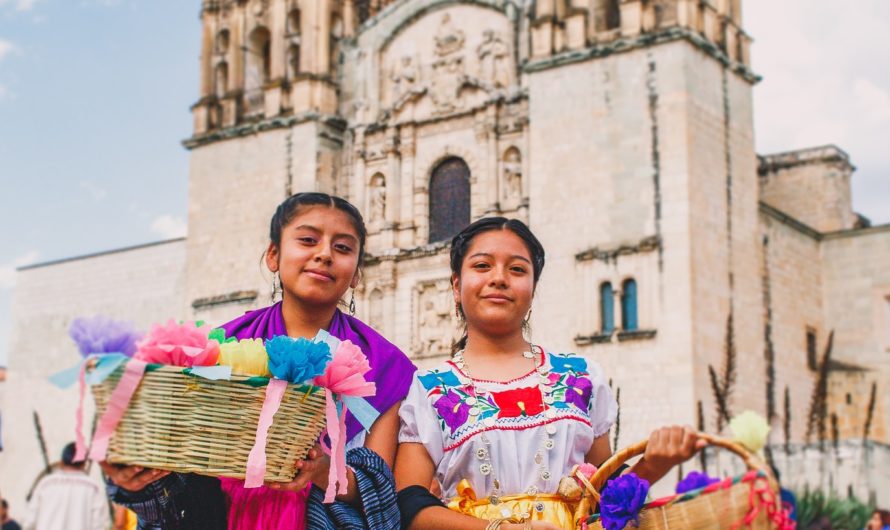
317	259
496	282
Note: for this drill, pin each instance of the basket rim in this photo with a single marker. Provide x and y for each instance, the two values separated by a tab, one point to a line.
677	498
255	381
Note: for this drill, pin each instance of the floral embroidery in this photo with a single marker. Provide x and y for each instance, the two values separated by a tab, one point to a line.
562	363
436	378
578	390
452	410
519	402
452	400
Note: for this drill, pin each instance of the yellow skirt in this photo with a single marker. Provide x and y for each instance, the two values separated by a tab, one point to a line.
549	507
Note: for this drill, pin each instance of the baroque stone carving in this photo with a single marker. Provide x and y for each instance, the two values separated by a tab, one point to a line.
435	329
377	198
494	60
448	38
513	173
404	76
448	78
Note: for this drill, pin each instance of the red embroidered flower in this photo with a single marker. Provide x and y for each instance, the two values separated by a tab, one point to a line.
519	402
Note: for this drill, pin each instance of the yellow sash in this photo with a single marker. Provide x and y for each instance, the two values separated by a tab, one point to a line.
550	507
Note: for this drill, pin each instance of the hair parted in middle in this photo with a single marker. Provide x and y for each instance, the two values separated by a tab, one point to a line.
460	244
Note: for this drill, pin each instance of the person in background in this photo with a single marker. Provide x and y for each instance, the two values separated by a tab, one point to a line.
8	523
68	499
880	520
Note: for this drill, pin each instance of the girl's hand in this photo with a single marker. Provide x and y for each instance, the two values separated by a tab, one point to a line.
313	470
131	478
669	446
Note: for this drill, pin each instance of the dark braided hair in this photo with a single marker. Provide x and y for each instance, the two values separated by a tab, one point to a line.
462	241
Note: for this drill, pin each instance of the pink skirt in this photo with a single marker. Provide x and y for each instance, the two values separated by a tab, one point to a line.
264	508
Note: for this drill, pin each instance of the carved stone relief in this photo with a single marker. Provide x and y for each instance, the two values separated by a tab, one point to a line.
512	171
404	76
435	329
377	198
494	60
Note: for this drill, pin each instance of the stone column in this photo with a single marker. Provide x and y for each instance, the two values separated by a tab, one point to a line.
617	309
359	180
393	187
406	176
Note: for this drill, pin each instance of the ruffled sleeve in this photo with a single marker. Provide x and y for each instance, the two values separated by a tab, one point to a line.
603	408
418	421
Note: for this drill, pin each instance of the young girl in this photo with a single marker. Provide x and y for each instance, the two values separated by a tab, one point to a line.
316	247
501	423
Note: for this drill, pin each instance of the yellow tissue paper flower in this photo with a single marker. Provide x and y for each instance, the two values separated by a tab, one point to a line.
750	429
246	357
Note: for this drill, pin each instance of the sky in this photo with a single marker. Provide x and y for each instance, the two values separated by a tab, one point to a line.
95	96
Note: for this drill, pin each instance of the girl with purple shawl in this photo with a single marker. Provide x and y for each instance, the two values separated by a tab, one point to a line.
316	247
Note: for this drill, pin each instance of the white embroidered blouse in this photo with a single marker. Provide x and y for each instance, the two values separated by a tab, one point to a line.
512	415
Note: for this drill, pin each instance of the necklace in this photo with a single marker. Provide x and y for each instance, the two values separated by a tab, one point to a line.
483	454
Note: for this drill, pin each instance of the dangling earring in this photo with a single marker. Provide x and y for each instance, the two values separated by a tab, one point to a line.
457	310
352	303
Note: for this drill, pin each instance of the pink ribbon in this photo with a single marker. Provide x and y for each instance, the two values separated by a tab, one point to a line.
79	443
117	407
761	497
256	460
344	376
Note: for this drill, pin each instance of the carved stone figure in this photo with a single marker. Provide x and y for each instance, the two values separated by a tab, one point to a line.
377	198
513	173
494	60
404	76
448	38
448	77
435	328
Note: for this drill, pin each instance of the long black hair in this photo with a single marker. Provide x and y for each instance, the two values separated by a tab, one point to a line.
460	244
289	209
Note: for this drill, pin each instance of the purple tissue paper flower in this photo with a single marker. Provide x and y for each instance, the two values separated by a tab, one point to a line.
695	480
451	409
101	334
622	500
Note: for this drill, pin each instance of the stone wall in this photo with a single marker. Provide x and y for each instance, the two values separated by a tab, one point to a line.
142	284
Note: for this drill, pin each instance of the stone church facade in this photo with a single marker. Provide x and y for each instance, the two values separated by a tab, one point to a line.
620	130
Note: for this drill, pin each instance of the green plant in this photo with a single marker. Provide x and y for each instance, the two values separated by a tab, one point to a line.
844	513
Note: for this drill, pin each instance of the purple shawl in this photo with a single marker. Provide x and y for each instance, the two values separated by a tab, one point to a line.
390	368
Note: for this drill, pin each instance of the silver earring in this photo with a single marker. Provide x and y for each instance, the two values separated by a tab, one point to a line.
352	303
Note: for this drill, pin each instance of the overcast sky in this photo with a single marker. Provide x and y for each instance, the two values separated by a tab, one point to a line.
94	98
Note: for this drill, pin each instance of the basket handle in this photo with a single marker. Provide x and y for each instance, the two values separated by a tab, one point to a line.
620	457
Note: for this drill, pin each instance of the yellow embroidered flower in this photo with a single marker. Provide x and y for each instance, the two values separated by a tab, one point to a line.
246	357
750	430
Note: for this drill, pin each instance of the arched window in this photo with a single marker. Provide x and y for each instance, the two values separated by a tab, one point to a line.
293	22
293	60
449	199
221	79
259	59
222	42
629	306
607	308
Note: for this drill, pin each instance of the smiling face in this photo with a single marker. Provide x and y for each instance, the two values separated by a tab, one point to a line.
496	283
317	259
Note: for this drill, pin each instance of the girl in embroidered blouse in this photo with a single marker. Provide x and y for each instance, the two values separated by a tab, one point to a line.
316	247
498	425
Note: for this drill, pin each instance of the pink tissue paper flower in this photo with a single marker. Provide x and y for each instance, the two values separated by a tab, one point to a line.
178	344
345	373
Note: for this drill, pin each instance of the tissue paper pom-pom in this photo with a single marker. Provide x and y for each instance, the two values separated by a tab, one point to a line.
622	500
750	430
178	344
345	374
695	480
101	334
246	357
297	360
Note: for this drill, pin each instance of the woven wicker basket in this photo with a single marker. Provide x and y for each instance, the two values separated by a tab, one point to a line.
183	423
720	506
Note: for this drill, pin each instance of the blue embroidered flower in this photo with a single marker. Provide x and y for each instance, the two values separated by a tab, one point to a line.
563	363
297	360
434	379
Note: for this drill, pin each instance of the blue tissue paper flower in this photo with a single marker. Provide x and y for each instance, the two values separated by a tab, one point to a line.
695	480
297	360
